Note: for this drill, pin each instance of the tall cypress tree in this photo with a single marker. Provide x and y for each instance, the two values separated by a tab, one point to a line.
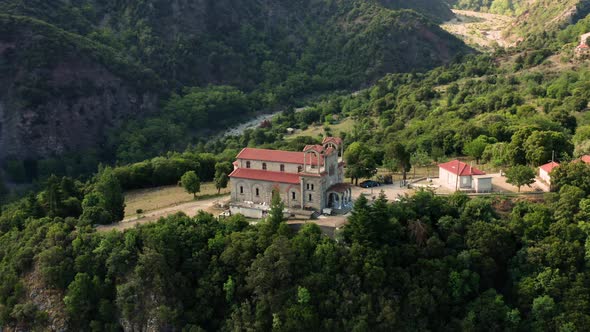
109	188
277	206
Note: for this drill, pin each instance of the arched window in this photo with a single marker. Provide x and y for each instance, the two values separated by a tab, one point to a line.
312	187
310	198
293	195
247	164
264	166
241	189
257	192
282	168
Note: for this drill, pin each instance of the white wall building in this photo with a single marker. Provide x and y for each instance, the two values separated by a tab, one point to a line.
545	171
458	176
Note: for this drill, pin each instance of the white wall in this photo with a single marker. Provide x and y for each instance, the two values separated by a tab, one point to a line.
247	212
447	179
544	176
270	166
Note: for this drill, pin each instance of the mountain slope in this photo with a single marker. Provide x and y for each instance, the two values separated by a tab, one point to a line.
58	91
277	49
228	41
532	16
546	15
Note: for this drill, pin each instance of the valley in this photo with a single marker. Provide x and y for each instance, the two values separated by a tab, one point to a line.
483	31
127	123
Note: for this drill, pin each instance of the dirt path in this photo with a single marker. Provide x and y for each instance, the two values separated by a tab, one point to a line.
190	208
480	30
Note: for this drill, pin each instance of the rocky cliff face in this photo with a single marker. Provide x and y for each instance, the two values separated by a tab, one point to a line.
56	96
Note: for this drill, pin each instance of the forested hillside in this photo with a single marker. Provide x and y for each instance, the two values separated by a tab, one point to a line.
59	91
439	11
275	51
504	7
423	263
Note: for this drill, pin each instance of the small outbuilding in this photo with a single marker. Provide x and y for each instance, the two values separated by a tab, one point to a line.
545	171
459	176
582	51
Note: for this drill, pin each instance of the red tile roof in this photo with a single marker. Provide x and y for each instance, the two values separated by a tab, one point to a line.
585	159
460	168
316	148
269	176
335	140
340	187
287	157
549	166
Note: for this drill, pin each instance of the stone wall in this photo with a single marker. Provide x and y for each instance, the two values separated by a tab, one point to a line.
244	190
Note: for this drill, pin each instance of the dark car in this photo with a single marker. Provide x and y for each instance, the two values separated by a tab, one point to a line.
369	184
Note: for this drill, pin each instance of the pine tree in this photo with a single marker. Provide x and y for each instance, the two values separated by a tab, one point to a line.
357	229
277	206
109	188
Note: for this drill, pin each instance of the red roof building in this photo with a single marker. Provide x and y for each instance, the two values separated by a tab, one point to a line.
585	158
304	180
545	172
549	166
460	168
582	51
459	176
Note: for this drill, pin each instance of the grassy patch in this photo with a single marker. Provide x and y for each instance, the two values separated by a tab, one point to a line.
161	197
345	125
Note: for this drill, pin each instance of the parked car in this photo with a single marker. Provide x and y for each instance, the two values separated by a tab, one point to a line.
369	184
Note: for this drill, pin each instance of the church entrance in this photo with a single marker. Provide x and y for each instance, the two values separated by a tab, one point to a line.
334	201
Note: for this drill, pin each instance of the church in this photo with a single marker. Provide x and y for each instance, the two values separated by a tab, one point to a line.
312	180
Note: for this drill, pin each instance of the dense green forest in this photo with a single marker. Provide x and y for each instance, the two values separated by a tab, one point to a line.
424	263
